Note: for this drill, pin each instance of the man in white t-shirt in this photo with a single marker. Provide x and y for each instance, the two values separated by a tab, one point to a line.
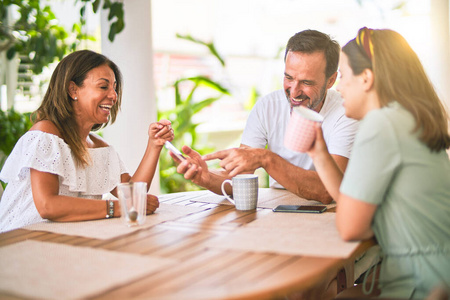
311	62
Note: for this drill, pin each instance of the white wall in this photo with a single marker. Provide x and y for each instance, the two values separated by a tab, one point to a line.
132	52
440	34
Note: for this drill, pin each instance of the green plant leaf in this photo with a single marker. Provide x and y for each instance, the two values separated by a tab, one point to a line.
197	107
177	94
95	5
12	126
205	81
254	95
11	53
209	45
83	11
37	21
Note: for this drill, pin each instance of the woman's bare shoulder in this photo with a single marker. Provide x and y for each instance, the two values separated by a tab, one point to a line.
98	141
46	126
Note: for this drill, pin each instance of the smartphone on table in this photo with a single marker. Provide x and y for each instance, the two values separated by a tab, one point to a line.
174	150
301	208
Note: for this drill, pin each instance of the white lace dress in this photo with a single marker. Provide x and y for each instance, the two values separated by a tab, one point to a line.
48	153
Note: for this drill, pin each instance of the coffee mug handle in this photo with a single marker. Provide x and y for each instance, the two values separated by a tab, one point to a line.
225	193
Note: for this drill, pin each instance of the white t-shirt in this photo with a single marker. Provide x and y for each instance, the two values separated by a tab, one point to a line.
46	152
269	118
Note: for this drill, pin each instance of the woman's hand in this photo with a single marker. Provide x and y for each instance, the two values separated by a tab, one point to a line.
160	132
319	147
152	204
329	171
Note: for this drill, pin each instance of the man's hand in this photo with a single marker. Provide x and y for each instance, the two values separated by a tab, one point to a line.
194	167
238	160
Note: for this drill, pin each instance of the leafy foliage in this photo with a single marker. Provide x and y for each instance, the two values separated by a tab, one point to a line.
12	126
115	15
37	35
209	45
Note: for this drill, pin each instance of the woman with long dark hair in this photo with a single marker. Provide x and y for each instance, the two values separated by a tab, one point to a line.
60	169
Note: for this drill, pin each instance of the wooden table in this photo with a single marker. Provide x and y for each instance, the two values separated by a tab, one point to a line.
205	273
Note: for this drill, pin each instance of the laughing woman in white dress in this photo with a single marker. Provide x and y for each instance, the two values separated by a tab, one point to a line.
59	170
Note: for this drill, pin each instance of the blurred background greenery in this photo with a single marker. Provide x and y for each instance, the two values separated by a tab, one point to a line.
182	121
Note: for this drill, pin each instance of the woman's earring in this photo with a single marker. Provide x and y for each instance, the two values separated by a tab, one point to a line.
75	99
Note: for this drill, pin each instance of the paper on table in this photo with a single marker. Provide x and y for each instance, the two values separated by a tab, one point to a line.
42	270
181	195
264	194
294	234
210	197
110	228
267	198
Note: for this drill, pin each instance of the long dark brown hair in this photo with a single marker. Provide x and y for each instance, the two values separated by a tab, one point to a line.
399	76
57	103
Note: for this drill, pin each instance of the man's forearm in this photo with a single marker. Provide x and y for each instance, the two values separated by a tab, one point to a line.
303	183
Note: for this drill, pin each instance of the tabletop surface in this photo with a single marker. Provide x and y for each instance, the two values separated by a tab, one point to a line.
199	272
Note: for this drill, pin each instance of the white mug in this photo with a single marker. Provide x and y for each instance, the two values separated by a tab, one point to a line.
245	191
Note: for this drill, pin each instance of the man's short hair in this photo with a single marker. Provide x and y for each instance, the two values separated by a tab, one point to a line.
309	41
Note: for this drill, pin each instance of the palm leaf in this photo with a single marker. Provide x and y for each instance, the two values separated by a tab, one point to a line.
209	45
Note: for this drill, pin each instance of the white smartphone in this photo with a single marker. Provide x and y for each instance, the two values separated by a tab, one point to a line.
174	150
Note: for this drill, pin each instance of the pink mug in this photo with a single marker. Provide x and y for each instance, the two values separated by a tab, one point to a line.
301	132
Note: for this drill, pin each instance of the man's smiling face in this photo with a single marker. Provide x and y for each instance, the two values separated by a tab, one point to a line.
305	82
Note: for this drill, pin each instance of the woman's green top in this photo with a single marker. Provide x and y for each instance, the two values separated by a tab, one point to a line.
391	168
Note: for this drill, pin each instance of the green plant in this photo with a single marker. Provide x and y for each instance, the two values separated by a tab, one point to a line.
115	15
37	36
12	126
184	127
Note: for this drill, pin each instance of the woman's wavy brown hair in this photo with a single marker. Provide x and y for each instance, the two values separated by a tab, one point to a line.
399	76
57	103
